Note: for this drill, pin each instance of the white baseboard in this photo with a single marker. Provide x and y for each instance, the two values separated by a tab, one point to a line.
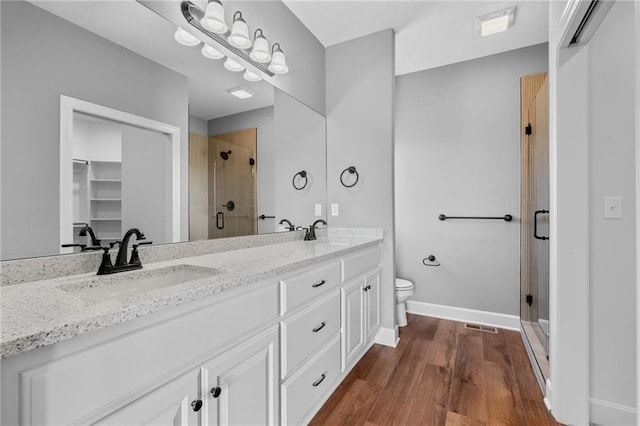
547	395
511	322
610	413
388	336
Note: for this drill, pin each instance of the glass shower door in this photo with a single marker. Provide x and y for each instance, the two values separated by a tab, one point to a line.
535	217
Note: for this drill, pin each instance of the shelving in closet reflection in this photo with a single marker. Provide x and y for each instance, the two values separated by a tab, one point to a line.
98	198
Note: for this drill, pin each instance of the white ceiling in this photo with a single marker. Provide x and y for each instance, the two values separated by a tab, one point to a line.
147	34
429	33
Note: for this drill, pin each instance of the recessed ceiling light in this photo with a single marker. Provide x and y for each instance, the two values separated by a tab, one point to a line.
495	22
240	92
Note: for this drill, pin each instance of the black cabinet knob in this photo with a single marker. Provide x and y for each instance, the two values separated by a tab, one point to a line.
216	391
196	405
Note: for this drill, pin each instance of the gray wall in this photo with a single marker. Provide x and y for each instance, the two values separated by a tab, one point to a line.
44	57
198	125
612	271
146	166
360	98
261	118
458	153
301	145
304	53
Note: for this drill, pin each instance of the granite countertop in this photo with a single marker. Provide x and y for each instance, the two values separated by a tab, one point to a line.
41	313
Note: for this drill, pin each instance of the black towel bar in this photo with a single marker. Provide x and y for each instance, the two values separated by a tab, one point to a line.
506	217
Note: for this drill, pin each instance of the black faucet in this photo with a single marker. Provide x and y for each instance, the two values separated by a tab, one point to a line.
310	235
290	227
121	265
83	233
121	259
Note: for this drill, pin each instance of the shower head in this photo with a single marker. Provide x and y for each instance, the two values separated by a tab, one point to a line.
225	155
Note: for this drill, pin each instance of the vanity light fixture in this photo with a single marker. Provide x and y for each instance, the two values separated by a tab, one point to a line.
213	19
240	92
211	53
278	63
260	52
186	38
251	76
238	43
239	36
232	65
495	22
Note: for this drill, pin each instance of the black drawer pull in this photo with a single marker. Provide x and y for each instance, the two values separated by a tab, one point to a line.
320	380
196	405
216	391
320	327
319	284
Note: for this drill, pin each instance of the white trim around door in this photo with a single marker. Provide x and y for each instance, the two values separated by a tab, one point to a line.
69	106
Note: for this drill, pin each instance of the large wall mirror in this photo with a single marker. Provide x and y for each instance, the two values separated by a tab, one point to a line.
108	123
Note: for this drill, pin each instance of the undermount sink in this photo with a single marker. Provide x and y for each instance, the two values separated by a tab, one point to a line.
120	285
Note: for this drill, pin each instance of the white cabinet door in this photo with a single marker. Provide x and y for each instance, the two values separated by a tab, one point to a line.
241	384
173	404
372	305
352	320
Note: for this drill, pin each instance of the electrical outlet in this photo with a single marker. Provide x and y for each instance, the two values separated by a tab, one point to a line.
334	210
318	210
613	207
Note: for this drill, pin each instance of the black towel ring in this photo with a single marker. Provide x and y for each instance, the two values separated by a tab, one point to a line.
303	175
351	170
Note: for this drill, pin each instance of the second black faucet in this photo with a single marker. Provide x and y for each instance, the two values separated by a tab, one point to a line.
121	265
310	235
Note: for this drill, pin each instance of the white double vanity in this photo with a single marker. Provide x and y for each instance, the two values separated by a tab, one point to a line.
257	335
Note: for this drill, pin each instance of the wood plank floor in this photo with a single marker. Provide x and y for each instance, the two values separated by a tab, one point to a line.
440	374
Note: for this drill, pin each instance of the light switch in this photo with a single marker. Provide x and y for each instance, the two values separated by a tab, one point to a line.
318	209
613	207
334	210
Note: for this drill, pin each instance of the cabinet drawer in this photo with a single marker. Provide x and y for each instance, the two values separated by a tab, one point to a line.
305	332
357	263
303	287
305	388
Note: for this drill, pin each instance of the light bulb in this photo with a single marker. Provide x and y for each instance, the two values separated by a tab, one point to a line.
239	36
211	53
251	76
213	19
260	52
232	65
278	63
186	38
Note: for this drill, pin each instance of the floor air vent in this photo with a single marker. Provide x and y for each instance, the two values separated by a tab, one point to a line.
478	327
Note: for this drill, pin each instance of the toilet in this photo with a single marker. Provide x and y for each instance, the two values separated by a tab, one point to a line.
404	290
